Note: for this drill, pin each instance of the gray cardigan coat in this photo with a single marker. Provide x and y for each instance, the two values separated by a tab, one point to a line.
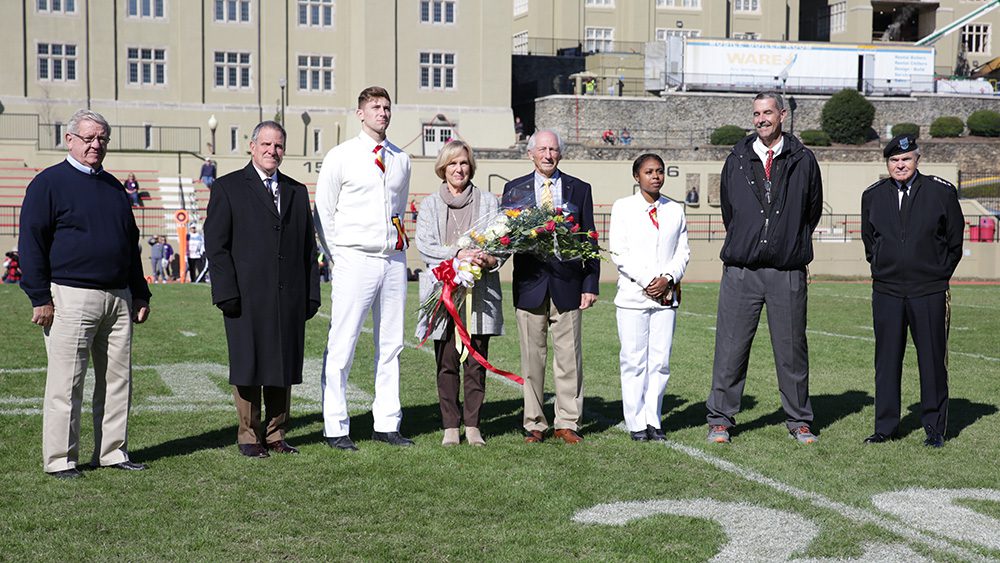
487	305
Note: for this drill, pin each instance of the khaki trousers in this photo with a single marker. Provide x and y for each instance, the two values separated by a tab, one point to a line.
533	327
95	323
277	401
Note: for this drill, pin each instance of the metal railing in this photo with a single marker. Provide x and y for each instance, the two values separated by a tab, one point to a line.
158	138
550	46
18	126
642	137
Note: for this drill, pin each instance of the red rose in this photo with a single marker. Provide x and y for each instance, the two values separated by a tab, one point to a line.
574	228
505	241
593	235
550	226
570	218
558	210
539	230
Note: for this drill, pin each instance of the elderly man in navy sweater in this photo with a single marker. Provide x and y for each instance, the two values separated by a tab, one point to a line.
83	274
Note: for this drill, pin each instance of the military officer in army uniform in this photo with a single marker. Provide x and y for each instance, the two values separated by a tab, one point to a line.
912	227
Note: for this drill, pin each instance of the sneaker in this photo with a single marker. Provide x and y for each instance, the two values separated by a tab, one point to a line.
718	434
803	435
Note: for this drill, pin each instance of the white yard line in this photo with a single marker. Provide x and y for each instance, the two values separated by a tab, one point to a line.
868	299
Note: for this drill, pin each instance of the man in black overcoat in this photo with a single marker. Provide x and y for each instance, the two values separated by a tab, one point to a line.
261	248
912	227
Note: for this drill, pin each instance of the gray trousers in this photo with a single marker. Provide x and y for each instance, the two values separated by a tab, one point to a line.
742	295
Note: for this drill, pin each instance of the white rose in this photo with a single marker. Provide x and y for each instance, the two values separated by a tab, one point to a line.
464	242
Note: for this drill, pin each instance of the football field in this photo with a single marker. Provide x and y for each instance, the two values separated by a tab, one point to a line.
762	498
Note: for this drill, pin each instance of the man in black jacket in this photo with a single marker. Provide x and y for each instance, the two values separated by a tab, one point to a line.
912	227
772	199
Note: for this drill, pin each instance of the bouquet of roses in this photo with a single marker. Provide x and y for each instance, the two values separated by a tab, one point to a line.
541	231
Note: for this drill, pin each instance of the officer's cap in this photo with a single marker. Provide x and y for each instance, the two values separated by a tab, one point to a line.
900	144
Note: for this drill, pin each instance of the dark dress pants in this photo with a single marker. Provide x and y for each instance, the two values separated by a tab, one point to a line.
743	292
927	318
447	357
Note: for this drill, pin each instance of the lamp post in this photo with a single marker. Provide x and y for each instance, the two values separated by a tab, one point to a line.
213	123
282	83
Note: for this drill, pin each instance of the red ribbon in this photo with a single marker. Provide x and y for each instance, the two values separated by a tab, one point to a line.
446	273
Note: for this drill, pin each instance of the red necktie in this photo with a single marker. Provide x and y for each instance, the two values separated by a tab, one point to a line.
652	217
767	165
378	158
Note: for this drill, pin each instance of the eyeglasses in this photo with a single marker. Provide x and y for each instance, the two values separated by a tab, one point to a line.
90	140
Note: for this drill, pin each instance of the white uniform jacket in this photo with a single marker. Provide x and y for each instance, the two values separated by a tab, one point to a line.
356	202
644	252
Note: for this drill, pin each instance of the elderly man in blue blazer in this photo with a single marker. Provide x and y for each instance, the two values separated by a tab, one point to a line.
549	295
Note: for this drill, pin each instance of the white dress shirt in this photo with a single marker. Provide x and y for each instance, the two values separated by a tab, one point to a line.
556	188
761	149
275	194
356	201
644	252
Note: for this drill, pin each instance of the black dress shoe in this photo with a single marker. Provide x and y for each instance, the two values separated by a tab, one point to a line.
253	450
877	438
71	473
655	434
394	438
281	447
128	466
934	440
640	436
342	443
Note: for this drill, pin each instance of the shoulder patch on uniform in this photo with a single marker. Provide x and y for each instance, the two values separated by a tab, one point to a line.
877	182
942	181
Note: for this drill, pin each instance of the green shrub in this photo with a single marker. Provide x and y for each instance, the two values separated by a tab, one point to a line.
847	116
911	129
815	137
947	126
728	135
984	123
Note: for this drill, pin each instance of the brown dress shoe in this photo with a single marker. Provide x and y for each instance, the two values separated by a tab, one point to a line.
281	447
568	435
253	450
534	437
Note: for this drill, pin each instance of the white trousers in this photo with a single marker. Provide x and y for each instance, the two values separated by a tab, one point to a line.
362	282
646	336
88	323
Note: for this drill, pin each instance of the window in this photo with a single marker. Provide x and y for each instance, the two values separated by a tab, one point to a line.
234	139
663	33
693	4
437	71
57	131
146	66
599	39
838	17
145	8
232	69
57	6
520	7
316	13
232	11
601	3
317	141
976	38
315	73
747	35
746	5
147	136
56	62
520	45
437	11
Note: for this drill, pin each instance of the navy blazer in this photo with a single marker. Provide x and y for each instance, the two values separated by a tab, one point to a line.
563	282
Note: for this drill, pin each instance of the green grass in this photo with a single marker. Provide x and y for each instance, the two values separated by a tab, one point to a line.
201	500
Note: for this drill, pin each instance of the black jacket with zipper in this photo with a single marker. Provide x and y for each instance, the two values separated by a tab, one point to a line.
778	235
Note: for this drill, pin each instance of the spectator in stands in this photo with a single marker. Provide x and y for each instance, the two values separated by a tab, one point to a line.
195	252
208	173
12	267
608	136
159	257
692	196
590	87
518	129
413	208
625	138
83	274
132	189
